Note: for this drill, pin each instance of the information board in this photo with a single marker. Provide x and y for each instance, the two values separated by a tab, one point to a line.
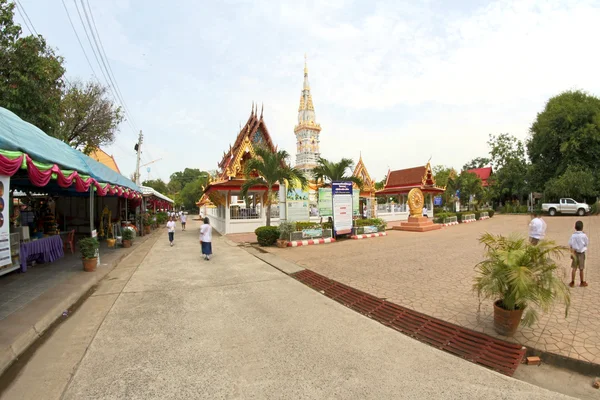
297	205
341	193
5	258
325	202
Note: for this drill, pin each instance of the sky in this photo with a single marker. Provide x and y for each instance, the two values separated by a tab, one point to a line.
397	81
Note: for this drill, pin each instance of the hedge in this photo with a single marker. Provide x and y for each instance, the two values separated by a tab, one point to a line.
369	222
267	235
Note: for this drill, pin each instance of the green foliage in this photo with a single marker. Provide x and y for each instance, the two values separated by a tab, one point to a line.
269	168
381	184
370	222
301	225
577	182
469	185
179	180
491	212
31	74
327	171
478	162
439	218
157	184
161	218
595	208
128	234
88	118
192	192
565	134
511	171
523	276
285	229
267	235
88	247
514	209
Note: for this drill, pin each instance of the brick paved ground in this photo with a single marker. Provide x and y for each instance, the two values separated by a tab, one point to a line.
433	272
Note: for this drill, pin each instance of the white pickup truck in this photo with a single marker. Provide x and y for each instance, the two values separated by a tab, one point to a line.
566	206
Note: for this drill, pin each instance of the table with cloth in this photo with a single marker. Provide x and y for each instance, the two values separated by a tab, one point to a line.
46	250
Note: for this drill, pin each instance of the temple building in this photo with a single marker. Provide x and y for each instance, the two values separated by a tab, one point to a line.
307	131
227	210
397	185
367	200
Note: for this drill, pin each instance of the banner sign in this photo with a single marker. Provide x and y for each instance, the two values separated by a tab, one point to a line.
312	233
297	205
342	207
5	258
325	203
437	201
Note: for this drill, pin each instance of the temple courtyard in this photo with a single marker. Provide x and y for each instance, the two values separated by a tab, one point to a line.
433	273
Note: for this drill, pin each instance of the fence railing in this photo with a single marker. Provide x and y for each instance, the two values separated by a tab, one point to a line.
450	220
243	213
361	230
468	217
484	215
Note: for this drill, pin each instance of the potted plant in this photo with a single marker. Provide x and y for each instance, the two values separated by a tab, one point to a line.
110	240
286	228
88	248
520	278
146	222
127	237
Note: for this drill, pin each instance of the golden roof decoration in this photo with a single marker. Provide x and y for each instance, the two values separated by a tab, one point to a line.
310	105
236	166
301	103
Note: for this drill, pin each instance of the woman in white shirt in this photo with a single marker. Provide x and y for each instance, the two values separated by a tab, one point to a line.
206	239
171	228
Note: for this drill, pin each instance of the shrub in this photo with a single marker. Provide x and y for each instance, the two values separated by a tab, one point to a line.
285	229
491	212
161	218
477	214
327	225
88	247
595	208
369	222
301	225
267	235
127	234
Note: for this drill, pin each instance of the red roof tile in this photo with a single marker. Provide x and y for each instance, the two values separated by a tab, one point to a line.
483	174
405	177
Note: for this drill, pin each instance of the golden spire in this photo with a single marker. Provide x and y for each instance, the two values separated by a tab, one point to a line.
301	107
309	105
305	66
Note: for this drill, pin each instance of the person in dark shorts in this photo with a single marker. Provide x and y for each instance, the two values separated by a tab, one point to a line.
579	244
206	239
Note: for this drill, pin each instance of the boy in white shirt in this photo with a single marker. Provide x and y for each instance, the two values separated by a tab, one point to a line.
537	229
579	244
183	221
171	228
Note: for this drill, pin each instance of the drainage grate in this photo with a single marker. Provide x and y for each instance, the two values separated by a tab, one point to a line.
476	347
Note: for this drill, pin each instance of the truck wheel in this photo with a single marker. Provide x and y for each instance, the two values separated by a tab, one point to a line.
581	212
552	212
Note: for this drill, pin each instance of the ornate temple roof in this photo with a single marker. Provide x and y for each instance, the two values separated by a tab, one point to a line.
306	109
360	171
104	158
403	180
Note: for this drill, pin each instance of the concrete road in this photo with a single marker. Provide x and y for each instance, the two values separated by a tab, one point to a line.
179	327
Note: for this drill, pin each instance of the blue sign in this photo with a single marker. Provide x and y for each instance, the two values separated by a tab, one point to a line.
437	201
338	188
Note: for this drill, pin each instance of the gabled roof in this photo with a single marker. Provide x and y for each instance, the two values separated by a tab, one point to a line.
253	133
483	174
104	158
403	180
360	171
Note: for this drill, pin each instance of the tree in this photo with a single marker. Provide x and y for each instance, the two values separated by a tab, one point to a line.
477	162
446	176
510	180
268	169
180	179
157	184
577	182
566	133
192	192
470	187
380	184
327	171
89	119
31	74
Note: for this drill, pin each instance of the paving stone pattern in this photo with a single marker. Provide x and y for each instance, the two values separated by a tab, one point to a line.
433	272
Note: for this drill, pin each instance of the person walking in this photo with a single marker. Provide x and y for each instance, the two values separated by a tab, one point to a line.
183	221
579	244
206	239
537	228
171	228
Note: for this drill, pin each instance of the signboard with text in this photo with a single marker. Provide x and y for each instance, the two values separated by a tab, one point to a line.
325	202
341	194
297	205
5	258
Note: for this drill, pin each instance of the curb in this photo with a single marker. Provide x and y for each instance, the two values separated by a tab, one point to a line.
450	224
298	243
369	235
27	338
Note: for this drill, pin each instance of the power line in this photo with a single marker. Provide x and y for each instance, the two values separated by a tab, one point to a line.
31	29
79	40
103	61
110	71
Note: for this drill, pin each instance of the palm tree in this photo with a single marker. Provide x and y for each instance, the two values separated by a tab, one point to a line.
271	168
327	171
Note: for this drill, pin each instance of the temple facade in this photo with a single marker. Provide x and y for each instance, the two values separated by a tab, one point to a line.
307	131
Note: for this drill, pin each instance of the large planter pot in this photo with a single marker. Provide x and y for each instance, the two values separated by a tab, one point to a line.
89	264
111	242
506	322
126	243
147	230
282	243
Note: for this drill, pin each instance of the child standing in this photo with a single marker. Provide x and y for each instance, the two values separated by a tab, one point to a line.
206	239
171	227
537	228
578	244
183	221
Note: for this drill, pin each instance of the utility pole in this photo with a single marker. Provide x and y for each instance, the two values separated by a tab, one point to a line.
138	148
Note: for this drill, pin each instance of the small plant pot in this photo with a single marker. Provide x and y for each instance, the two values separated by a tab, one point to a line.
282	243
111	243
506	322
126	243
89	264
